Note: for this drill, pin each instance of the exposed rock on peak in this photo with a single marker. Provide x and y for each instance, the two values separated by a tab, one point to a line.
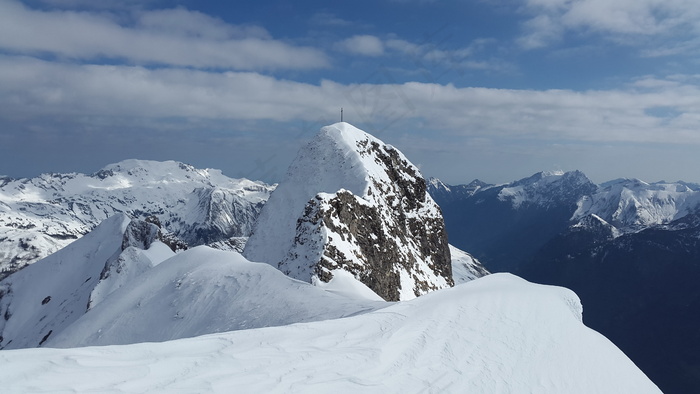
140	234
350	202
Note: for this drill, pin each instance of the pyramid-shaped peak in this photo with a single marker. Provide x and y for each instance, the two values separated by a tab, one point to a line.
349	201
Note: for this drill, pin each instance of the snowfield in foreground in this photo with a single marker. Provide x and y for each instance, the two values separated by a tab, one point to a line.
496	334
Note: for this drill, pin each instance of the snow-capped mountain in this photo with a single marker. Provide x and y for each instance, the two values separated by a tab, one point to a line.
496	334
45	298
632	205
547	189
350	202
41	215
549	202
502	225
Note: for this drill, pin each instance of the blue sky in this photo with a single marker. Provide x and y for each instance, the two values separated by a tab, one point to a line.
489	89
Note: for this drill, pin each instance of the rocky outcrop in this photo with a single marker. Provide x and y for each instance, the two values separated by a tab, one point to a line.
360	206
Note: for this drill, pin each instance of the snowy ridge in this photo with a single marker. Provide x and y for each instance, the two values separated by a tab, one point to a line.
632	205
46	298
495	334
40	215
118	284
203	291
443	193
595	222
350	202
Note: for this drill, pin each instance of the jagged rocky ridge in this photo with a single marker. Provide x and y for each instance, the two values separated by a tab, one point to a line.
350	202
41	215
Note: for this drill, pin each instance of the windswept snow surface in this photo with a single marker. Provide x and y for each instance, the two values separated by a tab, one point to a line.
497	334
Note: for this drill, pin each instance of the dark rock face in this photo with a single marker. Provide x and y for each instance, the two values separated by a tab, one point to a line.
140	234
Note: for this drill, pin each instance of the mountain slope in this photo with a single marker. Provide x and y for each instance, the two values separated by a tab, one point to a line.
118	284
631	205
495	334
41	215
350	202
203	291
47	297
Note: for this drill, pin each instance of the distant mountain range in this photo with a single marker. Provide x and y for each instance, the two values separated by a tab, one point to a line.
630	249
39	216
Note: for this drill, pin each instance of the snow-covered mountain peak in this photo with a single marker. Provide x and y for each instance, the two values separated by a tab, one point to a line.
437	184
350	201
632	204
545	188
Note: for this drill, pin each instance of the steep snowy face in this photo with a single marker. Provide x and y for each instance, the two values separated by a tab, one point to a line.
40	301
41	215
631	204
350	202
465	267
548	188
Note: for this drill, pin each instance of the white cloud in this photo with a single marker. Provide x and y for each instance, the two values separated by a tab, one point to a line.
329	19
366	45
171	37
185	23
31	88
542	31
618	20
